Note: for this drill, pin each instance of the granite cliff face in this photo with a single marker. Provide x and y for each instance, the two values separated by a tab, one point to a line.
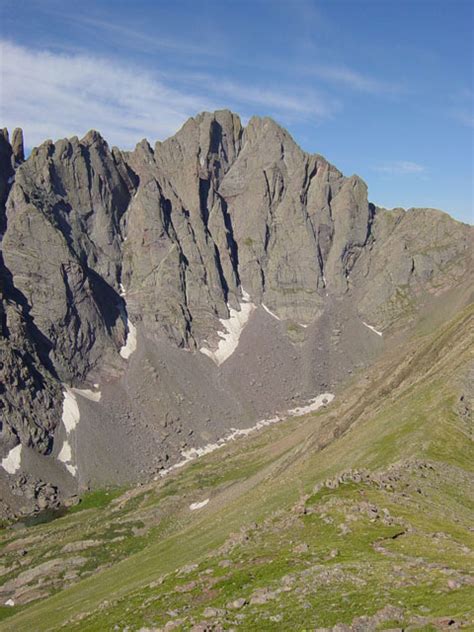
181	251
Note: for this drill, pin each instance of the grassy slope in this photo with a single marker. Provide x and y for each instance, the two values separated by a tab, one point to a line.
330	562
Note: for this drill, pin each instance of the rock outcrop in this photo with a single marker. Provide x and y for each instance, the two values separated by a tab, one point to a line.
11	157
171	243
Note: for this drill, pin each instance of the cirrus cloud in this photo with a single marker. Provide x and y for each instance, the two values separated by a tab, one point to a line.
400	167
57	94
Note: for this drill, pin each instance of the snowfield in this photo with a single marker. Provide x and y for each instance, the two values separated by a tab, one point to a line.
234	326
65	453
194	506
379	333
71	414
194	453
70	419
131	341
269	311
11	463
312	405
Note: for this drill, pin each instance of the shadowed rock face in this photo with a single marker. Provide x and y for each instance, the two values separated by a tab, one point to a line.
30	396
10	157
173	237
63	247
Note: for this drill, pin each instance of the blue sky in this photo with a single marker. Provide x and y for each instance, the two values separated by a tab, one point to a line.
381	88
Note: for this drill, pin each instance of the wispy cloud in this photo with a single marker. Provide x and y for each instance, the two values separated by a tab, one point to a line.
56	95
133	38
63	94
354	79
290	102
130	37
308	103
400	167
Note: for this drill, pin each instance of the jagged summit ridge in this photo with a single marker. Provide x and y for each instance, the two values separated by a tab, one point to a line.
169	245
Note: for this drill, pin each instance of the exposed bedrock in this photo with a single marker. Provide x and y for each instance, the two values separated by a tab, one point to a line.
223	242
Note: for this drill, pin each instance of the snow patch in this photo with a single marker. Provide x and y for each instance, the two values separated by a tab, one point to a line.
194	506
301	325
194	453
70	419
11	180
9	602
11	463
122	292
71	468
312	405
71	414
269	311
131	342
234	326
65	454
379	333
244	432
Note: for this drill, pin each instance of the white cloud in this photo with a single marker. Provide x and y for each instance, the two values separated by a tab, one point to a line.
400	167
346	77
132	38
286	102
355	80
55	95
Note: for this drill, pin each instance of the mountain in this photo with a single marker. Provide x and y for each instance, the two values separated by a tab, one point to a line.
356	518
151	301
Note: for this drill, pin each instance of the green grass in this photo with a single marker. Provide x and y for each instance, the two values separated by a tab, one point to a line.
343	561
97	499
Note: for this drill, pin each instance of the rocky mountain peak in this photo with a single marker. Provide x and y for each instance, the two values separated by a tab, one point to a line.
17	146
11	157
93	137
177	275
206	145
266	131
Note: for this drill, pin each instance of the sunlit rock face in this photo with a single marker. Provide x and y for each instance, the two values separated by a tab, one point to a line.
178	275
